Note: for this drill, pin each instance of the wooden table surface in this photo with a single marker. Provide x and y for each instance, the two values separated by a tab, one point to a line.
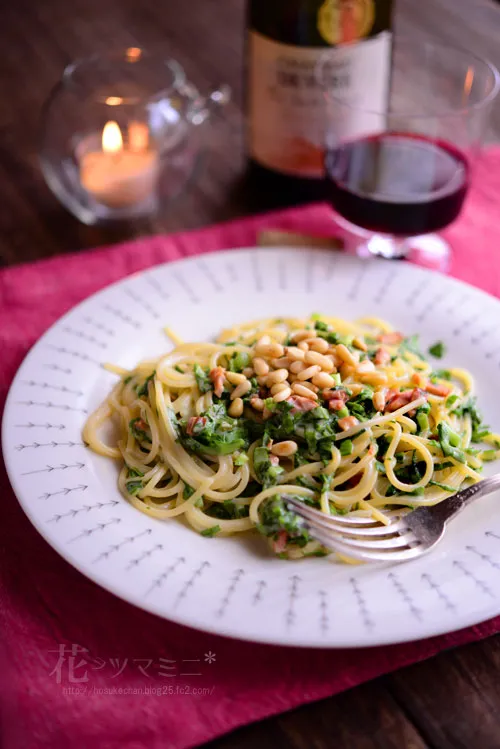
449	702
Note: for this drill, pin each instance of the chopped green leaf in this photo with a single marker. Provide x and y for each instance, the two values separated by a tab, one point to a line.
240	460
126	380
133	472
449	441
275	517
218	434
188	491
266	472
202	378
142	390
346	447
440	374
238	361
133	486
437	349
211	532
319	325
422	421
446	487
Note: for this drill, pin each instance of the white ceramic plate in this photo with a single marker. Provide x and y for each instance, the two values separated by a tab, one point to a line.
232	586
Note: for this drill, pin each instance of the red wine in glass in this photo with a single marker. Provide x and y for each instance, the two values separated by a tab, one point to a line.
401	184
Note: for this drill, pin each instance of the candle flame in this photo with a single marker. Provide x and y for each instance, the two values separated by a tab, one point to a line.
114	101
112	140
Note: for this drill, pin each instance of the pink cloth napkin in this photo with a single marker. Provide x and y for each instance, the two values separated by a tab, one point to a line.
79	668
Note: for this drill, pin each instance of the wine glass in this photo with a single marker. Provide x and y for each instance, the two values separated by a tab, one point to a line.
400	173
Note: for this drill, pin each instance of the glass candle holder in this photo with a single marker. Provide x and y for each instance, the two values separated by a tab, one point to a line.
121	135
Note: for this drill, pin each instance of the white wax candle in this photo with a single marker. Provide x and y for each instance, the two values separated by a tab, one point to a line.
119	177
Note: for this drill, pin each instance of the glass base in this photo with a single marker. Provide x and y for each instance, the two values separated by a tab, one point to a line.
428	250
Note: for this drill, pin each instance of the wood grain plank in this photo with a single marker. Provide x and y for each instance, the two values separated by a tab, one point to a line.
365	718
455	697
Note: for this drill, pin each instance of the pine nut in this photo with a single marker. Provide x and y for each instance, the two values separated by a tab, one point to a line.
304	392
309	372
282	395
283	361
301	335
295	353
284	449
346	356
346	371
261	367
318	344
322	380
303	346
257	403
310	386
379	399
365	366
271	350
297	366
333	354
292	377
262	380
264	341
356	387
312	357
374	378
359	343
279	387
236	407
235	378
242	389
279	375
266	414
248	372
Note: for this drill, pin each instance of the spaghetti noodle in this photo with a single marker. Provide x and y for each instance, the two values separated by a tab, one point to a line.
348	417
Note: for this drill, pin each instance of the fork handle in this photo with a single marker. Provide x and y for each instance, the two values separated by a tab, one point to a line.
453	505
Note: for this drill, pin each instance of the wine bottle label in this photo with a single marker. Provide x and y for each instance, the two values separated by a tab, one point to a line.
288	118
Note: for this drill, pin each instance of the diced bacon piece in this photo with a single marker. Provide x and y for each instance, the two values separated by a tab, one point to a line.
279	544
274	460
218	375
340	395
301	404
347	422
335	404
391	338
193	421
398	400
441	390
382	357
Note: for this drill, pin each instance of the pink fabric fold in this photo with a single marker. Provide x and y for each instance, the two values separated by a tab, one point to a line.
78	667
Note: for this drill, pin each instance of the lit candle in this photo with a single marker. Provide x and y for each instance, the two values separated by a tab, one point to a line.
118	176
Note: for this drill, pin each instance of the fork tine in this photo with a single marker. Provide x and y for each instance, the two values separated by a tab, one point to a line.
366	555
329	522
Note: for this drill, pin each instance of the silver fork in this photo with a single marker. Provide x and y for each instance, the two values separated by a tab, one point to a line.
406	536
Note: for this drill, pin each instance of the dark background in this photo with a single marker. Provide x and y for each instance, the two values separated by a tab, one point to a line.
449	702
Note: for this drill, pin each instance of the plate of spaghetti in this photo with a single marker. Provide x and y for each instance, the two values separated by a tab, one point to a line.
201	394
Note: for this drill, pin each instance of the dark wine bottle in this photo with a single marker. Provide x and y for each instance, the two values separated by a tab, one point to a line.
286	107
